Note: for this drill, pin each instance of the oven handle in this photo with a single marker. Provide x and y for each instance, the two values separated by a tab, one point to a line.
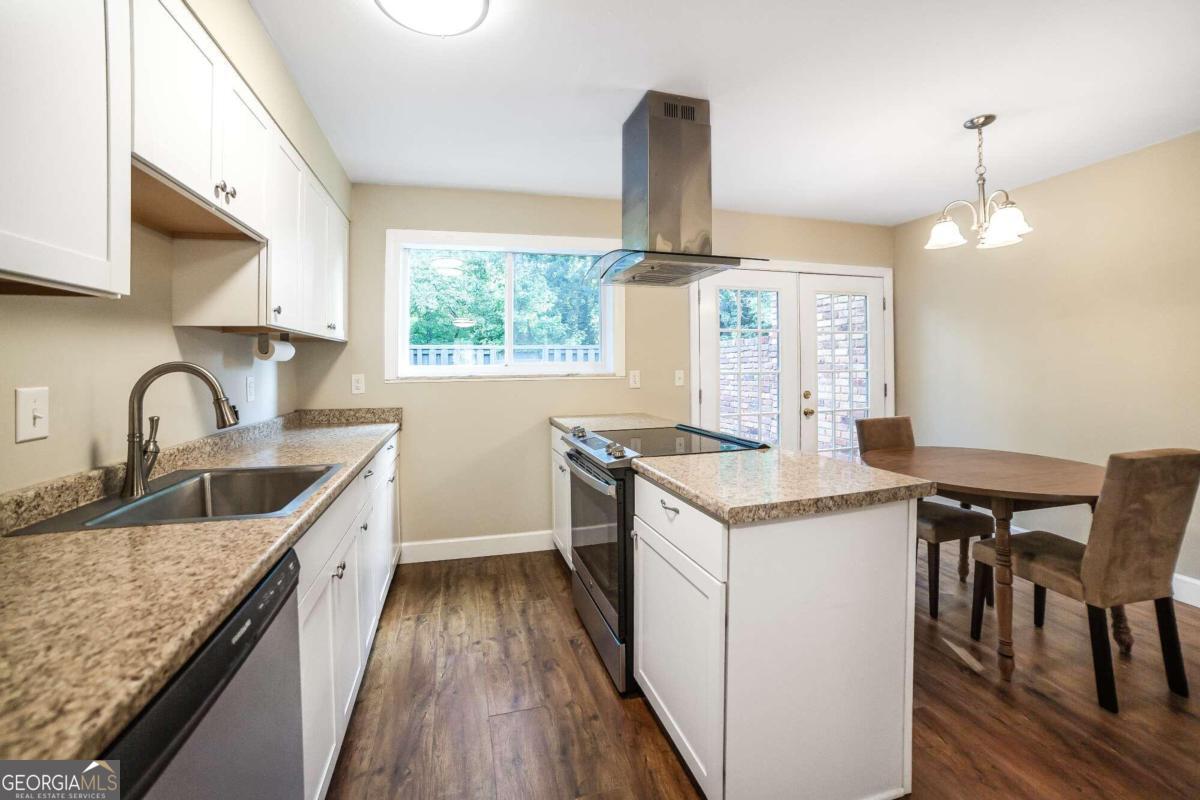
597	483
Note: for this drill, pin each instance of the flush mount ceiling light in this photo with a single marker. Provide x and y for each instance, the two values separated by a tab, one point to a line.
436	17
450	267
995	218
464	322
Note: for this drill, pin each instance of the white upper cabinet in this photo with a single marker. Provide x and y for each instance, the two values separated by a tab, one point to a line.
285	187
178	73
64	146
246	140
337	257
313	237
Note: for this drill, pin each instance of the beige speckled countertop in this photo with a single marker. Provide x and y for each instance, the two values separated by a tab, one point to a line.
760	485
611	422
94	623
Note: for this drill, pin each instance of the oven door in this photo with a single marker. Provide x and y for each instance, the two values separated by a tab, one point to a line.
596	536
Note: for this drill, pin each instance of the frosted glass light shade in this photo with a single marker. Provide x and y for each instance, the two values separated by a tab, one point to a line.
991	239
945	233
1008	223
436	17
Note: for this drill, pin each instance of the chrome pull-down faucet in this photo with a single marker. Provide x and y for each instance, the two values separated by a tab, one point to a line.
141	455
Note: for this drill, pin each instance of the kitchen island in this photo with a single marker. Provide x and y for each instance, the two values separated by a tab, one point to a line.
773	619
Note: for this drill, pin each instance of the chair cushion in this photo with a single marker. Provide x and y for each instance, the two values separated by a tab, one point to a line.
1045	558
937	523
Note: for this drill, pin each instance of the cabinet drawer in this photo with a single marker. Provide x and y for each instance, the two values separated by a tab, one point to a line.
699	536
556	440
316	545
384	462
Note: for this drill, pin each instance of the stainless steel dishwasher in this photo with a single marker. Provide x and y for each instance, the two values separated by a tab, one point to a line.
228	724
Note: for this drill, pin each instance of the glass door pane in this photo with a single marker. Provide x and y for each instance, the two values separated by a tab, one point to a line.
749	363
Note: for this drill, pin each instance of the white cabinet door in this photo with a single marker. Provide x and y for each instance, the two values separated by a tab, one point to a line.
560	497
679	651
367	531
382	536
347	644
313	256
177	78
285	192
338	255
64	144
316	685
247	135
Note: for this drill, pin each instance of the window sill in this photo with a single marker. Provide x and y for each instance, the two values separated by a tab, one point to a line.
515	377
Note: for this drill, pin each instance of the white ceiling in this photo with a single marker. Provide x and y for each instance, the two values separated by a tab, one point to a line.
836	110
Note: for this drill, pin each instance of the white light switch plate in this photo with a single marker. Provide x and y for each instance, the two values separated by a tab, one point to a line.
635	379
679	377
33	413
358	383
249	388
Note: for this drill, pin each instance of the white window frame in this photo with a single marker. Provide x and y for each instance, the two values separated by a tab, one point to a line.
396	305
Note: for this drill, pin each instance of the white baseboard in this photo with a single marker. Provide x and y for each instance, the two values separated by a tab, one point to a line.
474	546
1187	589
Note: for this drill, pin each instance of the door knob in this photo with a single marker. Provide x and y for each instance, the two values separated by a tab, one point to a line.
808	412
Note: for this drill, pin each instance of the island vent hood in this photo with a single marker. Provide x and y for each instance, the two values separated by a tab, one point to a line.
666	197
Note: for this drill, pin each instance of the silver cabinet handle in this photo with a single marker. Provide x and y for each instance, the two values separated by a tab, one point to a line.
231	194
277	309
368	473
666	507
341	570
561	468
391	447
220	189
392	479
365	525
331	326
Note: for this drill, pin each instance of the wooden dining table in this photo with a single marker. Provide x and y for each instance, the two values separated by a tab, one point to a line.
1005	483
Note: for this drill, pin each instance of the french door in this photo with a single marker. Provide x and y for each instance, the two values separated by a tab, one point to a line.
791	359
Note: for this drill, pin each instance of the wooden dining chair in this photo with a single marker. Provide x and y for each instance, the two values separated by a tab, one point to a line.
1137	530
936	522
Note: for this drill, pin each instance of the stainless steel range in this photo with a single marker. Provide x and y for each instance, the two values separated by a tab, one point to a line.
602	521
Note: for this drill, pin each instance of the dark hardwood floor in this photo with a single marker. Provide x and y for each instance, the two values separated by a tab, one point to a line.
482	684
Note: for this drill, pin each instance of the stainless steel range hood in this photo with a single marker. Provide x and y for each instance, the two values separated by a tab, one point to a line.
666	197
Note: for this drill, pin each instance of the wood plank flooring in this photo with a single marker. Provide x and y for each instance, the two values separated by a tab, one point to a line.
483	684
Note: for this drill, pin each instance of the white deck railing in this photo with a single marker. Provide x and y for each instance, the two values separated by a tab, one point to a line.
474	355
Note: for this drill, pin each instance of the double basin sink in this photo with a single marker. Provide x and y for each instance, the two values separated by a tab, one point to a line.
199	495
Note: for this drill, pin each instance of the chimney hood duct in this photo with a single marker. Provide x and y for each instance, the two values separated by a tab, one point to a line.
666	197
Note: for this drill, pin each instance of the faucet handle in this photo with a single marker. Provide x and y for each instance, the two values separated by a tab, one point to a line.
153	430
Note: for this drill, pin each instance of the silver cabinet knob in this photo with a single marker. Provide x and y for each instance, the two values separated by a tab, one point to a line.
365	526
277	309
220	189
368	473
561	468
341	570
332	326
231	194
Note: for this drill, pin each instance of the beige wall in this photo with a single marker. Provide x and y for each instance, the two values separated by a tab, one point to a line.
475	458
89	351
1079	342
241	35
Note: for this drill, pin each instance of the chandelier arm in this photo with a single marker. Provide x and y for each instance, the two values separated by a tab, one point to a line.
992	198
974	212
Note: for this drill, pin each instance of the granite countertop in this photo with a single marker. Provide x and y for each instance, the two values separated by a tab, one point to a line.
759	485
94	623
612	422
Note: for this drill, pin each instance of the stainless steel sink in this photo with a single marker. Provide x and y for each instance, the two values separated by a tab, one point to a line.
200	495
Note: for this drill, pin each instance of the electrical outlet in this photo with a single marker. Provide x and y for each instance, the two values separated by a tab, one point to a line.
33	413
635	379
679	377
358	383
249	388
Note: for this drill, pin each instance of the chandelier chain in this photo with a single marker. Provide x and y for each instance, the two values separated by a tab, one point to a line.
980	169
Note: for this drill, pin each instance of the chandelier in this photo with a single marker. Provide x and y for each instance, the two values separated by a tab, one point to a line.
995	218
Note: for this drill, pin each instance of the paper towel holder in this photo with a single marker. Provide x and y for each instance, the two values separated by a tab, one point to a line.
264	341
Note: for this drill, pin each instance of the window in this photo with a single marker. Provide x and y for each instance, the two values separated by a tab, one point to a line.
486	305
843	371
749	367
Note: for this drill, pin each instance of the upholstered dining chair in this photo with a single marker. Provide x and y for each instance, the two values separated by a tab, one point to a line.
936	522
1137	530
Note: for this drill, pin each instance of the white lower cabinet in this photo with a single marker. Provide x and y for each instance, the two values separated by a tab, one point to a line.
340	608
560	494
679	653
778	654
